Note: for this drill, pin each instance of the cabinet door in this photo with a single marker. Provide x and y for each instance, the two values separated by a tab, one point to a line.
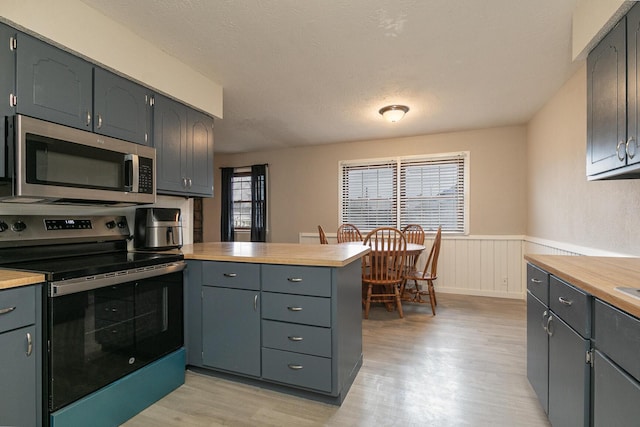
615	394
18	372
121	107
538	349
52	84
569	375
231	330
7	85
633	85
199	168
606	103
169	139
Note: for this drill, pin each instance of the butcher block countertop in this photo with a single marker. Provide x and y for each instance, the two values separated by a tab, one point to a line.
598	276
276	253
12	278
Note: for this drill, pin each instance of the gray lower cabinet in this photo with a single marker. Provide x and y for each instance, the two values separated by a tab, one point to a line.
296	326
20	357
616	367
183	139
558	346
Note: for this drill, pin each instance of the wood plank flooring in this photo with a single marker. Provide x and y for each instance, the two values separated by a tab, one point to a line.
464	367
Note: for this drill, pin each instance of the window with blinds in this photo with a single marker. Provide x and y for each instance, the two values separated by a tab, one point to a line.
426	190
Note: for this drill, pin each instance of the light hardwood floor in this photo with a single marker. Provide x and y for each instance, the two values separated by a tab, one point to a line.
464	367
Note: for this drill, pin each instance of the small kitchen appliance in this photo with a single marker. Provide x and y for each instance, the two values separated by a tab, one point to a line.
158	229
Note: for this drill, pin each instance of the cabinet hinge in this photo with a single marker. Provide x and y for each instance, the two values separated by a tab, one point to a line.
589	357
13	100
13	43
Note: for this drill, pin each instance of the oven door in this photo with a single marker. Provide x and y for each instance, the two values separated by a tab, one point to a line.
100	335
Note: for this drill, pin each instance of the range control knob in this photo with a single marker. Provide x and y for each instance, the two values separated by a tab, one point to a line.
3	226
111	224
19	226
122	223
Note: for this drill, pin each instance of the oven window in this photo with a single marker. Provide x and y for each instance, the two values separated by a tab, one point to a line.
101	335
62	163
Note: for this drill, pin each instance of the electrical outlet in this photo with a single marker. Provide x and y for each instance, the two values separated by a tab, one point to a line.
505	281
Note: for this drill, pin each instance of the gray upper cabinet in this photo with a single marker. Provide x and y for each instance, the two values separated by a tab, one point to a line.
183	139
7	84
613	113
122	108
52	84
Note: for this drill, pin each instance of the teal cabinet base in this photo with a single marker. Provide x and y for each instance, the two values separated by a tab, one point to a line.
121	400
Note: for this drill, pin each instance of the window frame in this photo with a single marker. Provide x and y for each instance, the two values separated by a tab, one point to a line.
240	173
459	156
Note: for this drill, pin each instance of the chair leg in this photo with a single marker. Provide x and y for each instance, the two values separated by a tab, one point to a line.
367	303
432	297
398	302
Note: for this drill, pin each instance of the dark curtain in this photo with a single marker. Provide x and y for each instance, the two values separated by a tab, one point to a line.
259	203
226	216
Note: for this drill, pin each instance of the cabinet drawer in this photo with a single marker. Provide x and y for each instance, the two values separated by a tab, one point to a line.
312	340
615	394
538	283
297	369
571	304
291	279
18	306
231	275
296	308
617	334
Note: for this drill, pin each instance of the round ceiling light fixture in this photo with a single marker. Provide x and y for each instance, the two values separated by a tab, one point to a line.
393	113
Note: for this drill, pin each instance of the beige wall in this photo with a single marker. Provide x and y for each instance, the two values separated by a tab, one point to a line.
562	205
303	182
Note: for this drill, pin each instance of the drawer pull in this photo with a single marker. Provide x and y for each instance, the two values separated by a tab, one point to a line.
255	302
295	279
565	301
295	367
7	310
536	281
295	338
29	344
230	275
294	308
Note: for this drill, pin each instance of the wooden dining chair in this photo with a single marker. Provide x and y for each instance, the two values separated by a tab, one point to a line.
383	268
348	233
323	237
414	234
429	275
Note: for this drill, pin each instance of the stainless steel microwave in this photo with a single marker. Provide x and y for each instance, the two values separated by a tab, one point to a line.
51	163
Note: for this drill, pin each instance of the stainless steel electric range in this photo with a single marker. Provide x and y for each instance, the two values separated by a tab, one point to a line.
108	312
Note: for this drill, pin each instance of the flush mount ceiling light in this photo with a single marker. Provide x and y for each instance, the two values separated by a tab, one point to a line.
393	113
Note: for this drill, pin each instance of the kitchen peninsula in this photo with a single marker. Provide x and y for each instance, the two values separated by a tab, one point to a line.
287	316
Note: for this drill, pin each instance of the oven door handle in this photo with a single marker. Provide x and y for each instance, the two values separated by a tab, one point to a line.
82	284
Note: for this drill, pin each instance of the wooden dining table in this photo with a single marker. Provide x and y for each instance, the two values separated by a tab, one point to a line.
412	248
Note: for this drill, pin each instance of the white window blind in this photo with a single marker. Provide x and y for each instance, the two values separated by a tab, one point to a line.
369	194
426	190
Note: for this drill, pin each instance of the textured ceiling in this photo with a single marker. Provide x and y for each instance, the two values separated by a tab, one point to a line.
317	71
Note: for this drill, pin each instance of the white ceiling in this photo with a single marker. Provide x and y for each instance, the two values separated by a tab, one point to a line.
301	72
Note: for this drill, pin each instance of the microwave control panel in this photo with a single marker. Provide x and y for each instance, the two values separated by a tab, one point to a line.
145	172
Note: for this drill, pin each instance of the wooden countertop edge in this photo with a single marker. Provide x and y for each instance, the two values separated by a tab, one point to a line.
14	278
314	262
596	278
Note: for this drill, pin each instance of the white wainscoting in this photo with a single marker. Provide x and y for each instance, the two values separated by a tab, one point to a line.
491	266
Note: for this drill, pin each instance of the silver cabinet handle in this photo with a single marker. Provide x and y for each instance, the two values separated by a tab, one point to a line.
631	154
565	301
295	279
294	308
99	121
184	182
536	281
230	274
291	338
29	344
544	317
620	144
295	367
548	328
189	182
255	303
7	310
88	118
